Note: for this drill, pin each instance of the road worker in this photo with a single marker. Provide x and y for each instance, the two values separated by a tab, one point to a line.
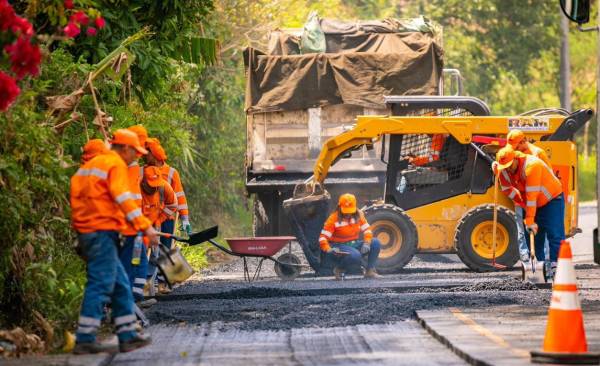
542	194
137	267
340	239
158	198
516	139
157	157
91	149
100	205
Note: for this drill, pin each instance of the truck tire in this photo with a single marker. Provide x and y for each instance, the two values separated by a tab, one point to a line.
473	238
397	234
260	219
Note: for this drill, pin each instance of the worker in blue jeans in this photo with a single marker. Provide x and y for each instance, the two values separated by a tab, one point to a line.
100	205
341	239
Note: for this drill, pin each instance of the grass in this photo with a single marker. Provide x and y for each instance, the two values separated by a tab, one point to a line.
587	178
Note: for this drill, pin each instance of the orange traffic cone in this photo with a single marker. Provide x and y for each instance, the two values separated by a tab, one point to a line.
565	336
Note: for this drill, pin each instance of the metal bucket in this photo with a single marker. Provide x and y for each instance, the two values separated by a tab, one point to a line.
173	265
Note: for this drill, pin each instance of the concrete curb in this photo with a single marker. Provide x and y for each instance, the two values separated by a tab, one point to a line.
100	359
451	346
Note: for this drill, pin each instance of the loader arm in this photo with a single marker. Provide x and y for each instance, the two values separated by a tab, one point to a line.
369	129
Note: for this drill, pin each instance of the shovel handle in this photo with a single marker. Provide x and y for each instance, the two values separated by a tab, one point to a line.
532	243
170	236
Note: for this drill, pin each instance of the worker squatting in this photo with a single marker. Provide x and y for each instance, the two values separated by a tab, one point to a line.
117	209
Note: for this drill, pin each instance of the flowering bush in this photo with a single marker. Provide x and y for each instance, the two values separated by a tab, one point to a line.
23	55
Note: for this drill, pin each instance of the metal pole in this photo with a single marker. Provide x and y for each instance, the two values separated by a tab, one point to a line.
597	111
597	126
565	65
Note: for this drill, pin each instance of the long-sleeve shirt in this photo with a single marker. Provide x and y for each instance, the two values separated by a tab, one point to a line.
171	175
101	197
344	230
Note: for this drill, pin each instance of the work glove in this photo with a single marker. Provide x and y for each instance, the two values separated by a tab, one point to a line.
366	248
533	227
186	226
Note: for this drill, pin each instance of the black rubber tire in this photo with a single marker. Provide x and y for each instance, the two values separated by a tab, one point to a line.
464	247
260	218
408	231
287	273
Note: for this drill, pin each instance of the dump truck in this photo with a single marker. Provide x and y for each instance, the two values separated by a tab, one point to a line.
297	99
446	204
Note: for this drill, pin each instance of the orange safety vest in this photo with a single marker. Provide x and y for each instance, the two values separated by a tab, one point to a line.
541	185
538	152
134	173
101	197
344	230
437	143
171	175
160	205
508	187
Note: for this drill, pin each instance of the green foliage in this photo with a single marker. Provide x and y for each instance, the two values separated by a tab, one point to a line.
587	178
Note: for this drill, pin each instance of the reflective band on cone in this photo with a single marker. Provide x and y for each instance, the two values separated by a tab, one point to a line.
565	335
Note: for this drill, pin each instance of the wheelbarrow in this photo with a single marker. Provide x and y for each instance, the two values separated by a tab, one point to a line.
287	266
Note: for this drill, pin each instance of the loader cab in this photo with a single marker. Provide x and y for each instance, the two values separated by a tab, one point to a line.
428	168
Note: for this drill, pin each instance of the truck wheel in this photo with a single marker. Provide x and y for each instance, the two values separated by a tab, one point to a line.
260	220
473	238
397	234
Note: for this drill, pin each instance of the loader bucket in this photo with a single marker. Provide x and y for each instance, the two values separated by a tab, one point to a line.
307	214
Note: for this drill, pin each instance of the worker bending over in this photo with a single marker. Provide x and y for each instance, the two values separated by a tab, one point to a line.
100	205
541	192
340	239
135	265
516	139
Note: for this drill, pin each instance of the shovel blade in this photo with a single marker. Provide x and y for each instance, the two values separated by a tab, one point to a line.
533	272
202	236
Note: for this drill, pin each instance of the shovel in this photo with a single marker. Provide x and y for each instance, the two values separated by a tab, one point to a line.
534	270
495	225
195	238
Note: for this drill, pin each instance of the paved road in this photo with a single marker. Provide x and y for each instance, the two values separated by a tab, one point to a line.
221	320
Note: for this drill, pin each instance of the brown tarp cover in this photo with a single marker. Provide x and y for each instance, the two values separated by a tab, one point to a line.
359	68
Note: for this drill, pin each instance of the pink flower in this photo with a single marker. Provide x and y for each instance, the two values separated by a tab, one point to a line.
7	15
21	25
9	90
91	31
79	18
100	22
25	58
68	4
72	30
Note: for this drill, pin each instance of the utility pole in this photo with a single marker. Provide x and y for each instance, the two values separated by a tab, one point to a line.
565	65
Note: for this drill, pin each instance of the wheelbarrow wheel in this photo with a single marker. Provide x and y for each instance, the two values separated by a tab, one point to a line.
288	267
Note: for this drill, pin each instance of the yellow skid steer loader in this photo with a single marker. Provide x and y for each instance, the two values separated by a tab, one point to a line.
438	195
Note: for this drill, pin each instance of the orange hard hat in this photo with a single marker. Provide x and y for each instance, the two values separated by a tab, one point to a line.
152	176
127	138
156	149
506	155
141	133
93	148
514	137
347	203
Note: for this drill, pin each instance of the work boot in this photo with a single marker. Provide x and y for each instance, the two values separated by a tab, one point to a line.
94	347
136	342
371	274
338	273
163	289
